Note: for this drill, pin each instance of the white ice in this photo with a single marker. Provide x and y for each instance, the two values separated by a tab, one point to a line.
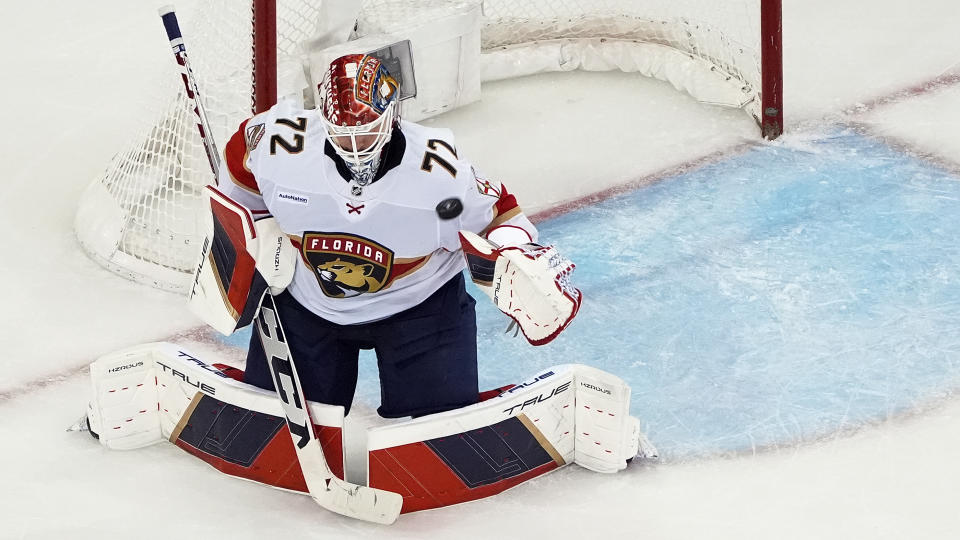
72	74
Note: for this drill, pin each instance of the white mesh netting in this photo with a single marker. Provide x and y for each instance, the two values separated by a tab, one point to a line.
138	218
722	36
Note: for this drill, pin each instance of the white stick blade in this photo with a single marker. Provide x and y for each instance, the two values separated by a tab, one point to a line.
336	495
359	502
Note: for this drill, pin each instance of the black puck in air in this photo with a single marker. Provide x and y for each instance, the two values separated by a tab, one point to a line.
449	208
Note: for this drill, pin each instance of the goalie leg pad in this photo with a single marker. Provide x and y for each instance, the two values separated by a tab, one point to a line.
566	414
249	444
123	411
607	436
480	450
159	391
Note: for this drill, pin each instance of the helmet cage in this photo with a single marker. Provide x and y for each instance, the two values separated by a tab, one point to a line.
358	108
360	145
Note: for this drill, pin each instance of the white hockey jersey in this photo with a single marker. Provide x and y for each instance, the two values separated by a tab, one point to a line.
366	252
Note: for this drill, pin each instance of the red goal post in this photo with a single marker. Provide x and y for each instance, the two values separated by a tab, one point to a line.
771	68
139	217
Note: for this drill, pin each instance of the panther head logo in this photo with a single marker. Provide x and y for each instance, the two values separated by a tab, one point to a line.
339	274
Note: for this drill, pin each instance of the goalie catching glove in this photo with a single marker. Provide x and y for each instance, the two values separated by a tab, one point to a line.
530	283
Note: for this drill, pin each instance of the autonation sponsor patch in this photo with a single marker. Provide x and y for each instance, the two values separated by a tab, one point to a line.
292	197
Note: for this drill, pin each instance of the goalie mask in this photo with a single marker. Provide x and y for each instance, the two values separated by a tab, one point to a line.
358	105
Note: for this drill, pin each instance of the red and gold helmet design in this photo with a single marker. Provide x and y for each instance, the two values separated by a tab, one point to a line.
358	104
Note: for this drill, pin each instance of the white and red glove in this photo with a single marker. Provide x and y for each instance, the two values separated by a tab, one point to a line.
530	283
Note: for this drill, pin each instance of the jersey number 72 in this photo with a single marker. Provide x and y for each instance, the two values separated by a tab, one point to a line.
432	158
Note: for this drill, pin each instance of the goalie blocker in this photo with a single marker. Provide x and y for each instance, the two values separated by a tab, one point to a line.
240	259
566	414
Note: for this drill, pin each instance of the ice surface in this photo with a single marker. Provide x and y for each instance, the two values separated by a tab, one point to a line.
928	122
725	232
800	289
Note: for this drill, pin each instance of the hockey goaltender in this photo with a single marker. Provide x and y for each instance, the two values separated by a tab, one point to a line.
343	228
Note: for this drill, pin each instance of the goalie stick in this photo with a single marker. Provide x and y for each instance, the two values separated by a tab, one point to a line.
172	27
326	489
330	492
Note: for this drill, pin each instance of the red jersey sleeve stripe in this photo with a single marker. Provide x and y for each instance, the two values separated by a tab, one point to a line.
236	157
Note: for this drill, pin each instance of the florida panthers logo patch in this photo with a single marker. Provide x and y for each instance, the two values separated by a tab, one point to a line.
345	264
375	86
485	187
253	135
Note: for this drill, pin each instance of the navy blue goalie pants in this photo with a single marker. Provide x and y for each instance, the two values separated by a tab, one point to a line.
426	355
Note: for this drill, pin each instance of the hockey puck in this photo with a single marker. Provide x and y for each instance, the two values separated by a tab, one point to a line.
449	208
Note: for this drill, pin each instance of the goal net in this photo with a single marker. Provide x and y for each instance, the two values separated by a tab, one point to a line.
138	218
